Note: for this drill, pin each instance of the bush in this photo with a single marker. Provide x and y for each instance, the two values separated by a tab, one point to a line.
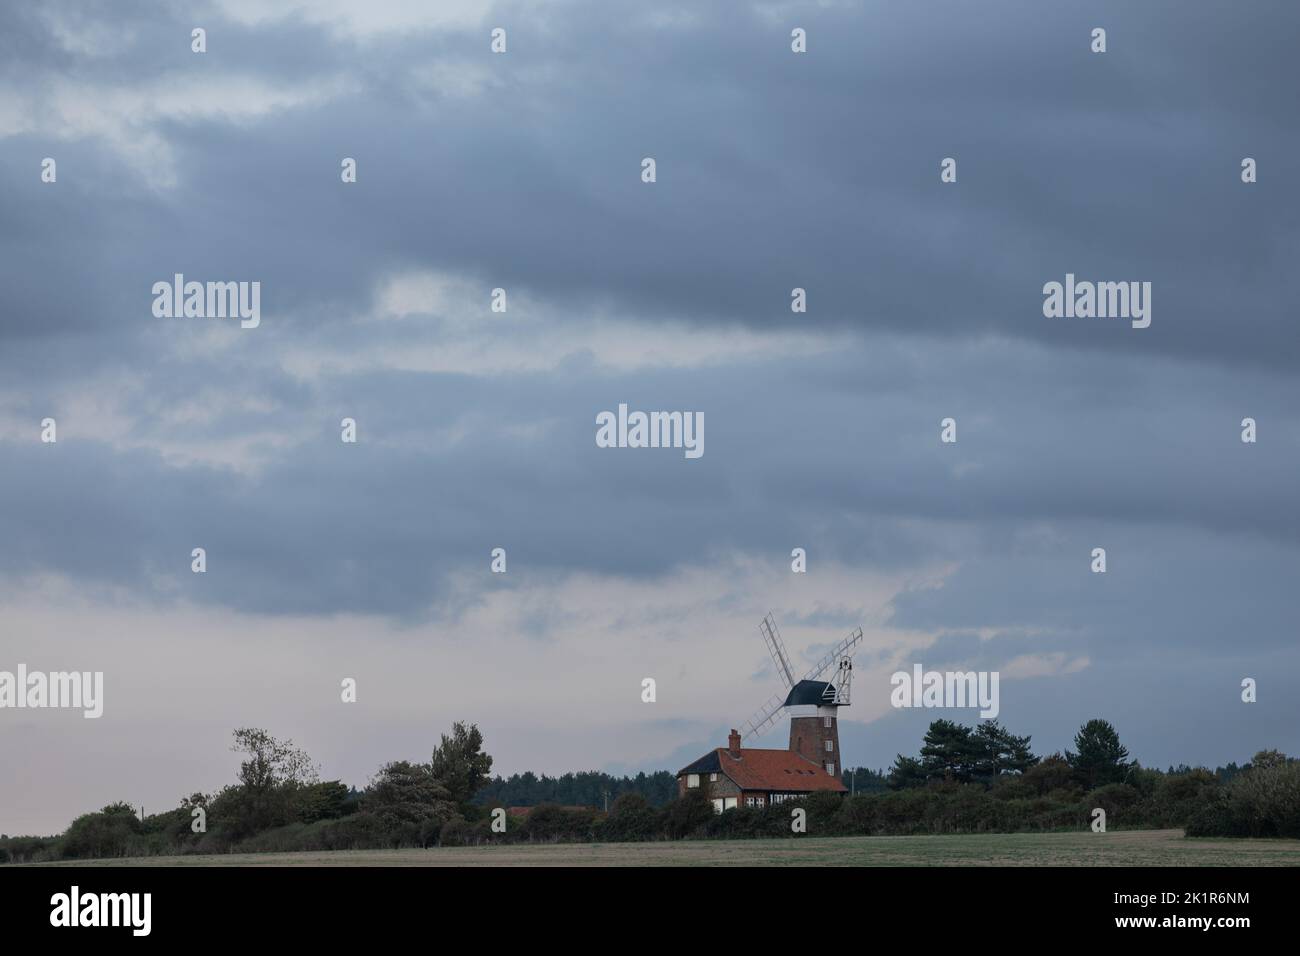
1050	774
323	801
359	831
1262	802
1177	799
823	812
740	823
689	814
108	833
629	802
1013	788
549	823
1116	799
1219	818
859	814
30	849
458	832
410	803
902	811
631	818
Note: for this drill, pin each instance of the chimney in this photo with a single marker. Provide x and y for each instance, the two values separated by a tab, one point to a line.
733	743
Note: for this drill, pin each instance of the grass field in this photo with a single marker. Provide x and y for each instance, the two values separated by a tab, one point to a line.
1123	848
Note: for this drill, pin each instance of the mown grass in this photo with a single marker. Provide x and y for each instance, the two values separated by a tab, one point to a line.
1122	848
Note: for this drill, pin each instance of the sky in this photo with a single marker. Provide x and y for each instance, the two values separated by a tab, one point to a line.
476	429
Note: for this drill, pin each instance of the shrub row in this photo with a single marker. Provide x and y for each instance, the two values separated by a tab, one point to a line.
1262	802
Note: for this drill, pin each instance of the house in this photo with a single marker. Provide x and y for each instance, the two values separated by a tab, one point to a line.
736	777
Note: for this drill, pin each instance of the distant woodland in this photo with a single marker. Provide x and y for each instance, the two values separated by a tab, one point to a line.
963	779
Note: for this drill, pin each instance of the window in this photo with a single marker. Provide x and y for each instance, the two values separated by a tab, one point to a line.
826	721
713	778
692	780
753	801
717	806
830	746
830	769
729	803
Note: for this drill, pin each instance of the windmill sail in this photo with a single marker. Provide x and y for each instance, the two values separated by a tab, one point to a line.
832	694
764	719
843	649
767	627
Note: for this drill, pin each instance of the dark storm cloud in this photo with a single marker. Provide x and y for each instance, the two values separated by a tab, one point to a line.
775	171
819	171
447	468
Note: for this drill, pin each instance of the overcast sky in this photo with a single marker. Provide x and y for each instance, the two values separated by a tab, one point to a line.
476	429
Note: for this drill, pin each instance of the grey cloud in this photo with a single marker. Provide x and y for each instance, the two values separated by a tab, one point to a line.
774	171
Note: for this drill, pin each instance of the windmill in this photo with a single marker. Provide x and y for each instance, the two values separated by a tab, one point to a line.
813	703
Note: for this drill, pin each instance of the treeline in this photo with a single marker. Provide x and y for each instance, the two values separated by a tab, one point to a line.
585	789
279	803
597	790
986	778
964	780
1261	800
862	780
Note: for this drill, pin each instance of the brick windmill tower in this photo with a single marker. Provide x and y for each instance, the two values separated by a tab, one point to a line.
813	703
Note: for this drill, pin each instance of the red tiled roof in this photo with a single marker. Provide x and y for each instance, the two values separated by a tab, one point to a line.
782	770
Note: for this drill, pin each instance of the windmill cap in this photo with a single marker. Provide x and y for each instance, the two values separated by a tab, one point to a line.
810	693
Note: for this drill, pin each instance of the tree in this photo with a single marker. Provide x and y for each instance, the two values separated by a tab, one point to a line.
949	752
629	802
1100	759
906	772
460	764
1268	758
691	812
106	833
1051	773
271	763
409	803
405	792
632	818
998	751
271	779
864	780
326	800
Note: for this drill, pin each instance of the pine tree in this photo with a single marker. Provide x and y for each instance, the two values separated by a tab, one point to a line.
1000	752
460	764
949	751
906	772
1100	758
